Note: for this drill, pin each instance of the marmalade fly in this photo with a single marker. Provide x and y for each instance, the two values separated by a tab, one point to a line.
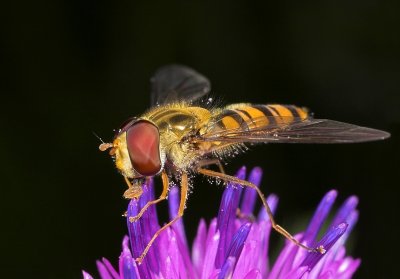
178	136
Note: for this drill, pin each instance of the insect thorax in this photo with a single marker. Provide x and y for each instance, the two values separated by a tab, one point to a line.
176	122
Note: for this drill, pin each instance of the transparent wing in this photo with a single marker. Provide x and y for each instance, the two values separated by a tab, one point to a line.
177	83
292	130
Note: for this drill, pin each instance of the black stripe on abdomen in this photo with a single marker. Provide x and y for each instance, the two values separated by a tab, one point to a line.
268	114
235	116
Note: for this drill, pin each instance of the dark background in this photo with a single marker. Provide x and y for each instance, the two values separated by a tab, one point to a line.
73	67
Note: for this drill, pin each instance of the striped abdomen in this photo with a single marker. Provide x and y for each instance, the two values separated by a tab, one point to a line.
249	117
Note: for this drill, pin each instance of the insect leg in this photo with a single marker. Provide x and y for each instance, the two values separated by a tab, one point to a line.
162	197
275	226
208	162
184	189
134	190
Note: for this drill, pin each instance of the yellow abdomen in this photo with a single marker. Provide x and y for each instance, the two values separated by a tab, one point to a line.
249	117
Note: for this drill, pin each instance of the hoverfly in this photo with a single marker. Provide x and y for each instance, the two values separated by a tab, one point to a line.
178	136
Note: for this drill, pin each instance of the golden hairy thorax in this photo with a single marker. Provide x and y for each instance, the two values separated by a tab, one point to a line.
176	122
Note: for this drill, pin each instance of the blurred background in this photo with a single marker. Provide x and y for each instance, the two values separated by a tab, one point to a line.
69	68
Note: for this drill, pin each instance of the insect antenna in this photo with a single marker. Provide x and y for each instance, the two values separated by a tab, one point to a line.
104	145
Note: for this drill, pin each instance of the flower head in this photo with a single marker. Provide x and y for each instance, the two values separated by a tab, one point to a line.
233	245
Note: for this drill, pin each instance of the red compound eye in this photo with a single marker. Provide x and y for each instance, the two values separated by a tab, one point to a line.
143	142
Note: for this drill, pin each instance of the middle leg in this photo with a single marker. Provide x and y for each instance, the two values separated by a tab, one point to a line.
208	162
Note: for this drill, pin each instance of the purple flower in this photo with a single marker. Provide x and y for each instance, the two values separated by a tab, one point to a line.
232	246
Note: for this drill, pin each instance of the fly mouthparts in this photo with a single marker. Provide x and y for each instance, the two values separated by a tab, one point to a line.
104	146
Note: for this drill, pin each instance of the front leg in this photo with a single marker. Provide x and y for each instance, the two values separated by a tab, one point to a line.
184	190
134	191
162	197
